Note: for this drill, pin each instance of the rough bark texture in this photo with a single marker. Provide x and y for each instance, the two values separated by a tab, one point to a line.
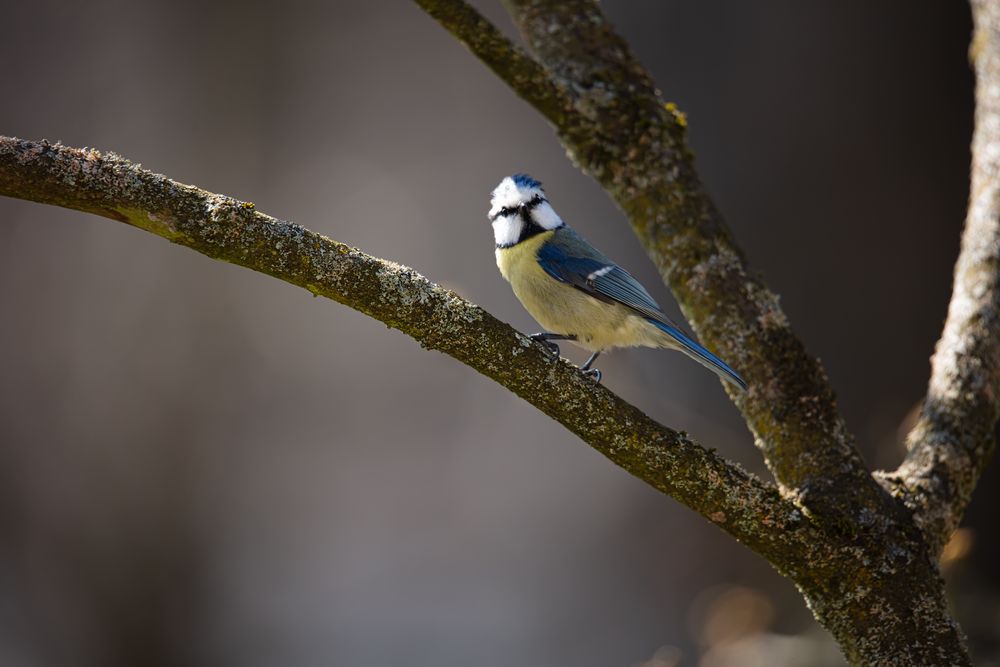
622	133
954	438
878	589
861	548
616	127
234	231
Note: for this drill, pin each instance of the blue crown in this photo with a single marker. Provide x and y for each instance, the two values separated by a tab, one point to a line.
525	181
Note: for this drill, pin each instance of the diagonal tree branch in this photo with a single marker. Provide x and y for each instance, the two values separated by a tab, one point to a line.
863	564
508	61
233	231
954	438
618	129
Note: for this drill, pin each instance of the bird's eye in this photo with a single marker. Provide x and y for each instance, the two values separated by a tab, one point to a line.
505	211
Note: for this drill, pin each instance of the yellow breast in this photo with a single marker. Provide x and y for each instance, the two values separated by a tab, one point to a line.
521	257
561	308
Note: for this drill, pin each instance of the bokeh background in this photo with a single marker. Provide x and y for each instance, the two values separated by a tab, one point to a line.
200	465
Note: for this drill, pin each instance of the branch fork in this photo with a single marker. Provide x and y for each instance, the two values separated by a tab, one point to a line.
862	548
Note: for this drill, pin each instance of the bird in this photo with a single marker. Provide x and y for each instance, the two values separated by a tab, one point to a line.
574	291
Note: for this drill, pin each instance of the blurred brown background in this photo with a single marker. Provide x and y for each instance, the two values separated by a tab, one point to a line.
203	466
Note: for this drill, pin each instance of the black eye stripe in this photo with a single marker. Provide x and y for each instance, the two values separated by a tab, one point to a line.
502	213
524	209
535	201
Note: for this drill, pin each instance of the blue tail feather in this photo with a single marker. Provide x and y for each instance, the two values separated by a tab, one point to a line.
700	354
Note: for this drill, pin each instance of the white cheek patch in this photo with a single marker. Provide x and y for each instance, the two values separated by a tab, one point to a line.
507	230
545	216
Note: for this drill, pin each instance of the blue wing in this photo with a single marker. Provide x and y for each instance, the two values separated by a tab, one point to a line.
598	276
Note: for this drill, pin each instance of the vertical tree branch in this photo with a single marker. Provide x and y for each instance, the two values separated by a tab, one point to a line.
954	438
864	564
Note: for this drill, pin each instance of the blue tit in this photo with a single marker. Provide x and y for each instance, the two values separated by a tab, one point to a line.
575	292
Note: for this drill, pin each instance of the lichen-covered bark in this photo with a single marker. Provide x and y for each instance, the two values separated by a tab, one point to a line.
234	231
882	598
861	549
877	588
954	437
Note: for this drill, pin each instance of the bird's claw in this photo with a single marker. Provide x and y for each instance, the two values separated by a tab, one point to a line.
550	347
593	373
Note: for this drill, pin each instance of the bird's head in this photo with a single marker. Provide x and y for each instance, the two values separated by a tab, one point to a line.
519	209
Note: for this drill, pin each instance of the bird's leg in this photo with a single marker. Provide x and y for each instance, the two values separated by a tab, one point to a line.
592	372
546	338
